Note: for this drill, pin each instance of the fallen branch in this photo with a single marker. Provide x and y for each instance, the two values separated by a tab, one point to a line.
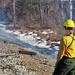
6	55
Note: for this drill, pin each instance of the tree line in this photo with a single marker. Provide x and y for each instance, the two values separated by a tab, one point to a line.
35	14
44	13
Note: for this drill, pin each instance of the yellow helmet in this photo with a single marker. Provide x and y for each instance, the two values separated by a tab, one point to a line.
69	23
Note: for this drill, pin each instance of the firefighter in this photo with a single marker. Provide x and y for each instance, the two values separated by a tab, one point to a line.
65	64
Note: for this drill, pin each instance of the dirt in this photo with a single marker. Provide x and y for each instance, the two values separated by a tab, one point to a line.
17	60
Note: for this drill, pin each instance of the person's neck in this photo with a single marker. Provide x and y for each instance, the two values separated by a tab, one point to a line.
69	34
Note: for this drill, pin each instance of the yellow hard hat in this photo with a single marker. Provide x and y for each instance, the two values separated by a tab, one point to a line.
69	23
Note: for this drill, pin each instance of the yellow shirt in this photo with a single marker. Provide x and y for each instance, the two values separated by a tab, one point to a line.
63	51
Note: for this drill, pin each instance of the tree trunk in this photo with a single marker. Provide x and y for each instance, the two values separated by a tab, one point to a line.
70	9
41	12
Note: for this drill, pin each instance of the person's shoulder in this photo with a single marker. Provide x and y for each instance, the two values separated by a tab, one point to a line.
65	37
68	37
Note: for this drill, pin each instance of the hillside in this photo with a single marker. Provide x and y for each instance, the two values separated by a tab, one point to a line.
34	14
16	60
38	14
